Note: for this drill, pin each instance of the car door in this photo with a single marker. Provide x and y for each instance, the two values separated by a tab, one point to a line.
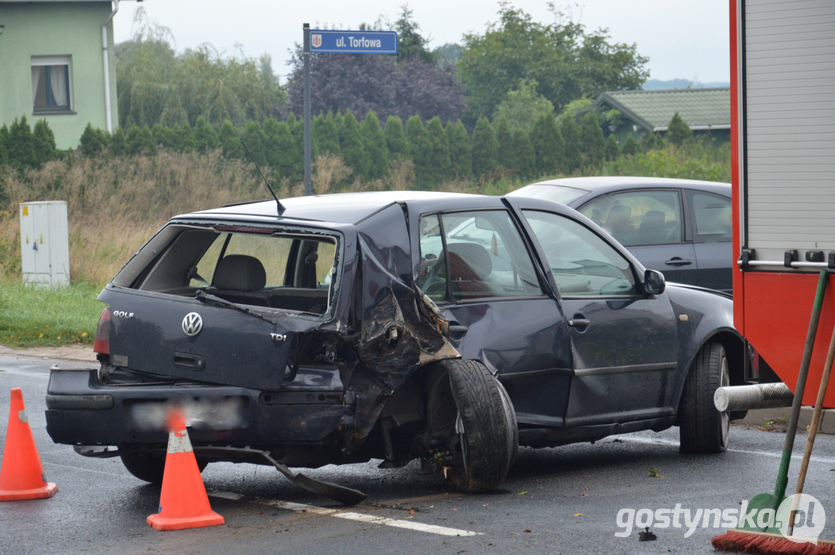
477	268
624	343
712	235
650	223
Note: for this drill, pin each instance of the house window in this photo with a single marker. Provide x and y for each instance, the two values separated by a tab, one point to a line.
51	83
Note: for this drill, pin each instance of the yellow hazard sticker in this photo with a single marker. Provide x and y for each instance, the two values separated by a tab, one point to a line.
25	210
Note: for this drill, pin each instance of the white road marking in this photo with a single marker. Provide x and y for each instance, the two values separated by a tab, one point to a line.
359	517
776	455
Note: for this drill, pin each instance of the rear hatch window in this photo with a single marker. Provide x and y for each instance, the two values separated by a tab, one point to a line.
260	268
222	304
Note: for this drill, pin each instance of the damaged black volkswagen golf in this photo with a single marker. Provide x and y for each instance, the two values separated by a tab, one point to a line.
448	328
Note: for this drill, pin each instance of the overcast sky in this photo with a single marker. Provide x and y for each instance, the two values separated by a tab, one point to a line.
684	39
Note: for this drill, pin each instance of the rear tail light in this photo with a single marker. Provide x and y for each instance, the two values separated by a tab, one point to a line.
101	344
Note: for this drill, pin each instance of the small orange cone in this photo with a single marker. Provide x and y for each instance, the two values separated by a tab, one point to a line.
183	502
21	473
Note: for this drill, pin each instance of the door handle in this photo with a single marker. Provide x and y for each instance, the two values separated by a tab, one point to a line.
579	323
676	261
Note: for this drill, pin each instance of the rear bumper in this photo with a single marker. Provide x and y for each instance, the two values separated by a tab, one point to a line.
80	411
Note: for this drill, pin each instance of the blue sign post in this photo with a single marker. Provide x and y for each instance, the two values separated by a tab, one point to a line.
336	42
353	42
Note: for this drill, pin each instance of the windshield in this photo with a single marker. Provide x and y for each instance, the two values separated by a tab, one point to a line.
259	268
554	193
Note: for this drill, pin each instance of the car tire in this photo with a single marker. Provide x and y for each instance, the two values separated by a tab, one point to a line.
150	467
485	444
702	428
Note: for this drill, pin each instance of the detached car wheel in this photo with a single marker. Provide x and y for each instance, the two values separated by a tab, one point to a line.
483	434
703	429
150	467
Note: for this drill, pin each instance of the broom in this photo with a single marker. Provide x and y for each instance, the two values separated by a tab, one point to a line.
763	542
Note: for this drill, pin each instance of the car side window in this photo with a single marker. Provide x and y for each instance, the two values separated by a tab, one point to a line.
638	217
482	253
712	215
583	264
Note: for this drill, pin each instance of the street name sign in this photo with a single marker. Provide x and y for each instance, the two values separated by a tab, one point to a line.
353	42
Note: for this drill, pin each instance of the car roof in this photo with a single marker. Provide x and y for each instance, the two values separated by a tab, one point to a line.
341	208
603	184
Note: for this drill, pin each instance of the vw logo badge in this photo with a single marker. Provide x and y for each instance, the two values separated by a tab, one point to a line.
192	324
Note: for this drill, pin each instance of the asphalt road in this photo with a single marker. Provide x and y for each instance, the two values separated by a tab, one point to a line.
563	500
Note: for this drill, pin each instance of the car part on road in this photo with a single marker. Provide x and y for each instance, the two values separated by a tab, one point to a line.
703	429
346	496
755	396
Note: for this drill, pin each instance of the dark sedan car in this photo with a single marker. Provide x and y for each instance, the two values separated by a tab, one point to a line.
445	327
680	227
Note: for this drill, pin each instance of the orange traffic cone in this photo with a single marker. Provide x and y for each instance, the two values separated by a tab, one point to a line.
183	502
21	473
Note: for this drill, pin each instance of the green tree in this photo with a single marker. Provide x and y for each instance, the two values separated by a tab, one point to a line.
396	142
420	149
563	59
163	136
484	149
21	145
505	157
375	146
525	157
326	134
118	143
653	141
678	131
228	138
630	147
353	147
523	107
572	153
296	127
156	85
410	44
205	138
4	159
93	141
439	160
611	150
44	142
255	140
185	138
591	137
461	164
282	153
548	145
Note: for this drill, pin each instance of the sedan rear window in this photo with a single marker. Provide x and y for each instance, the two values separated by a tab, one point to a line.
258	268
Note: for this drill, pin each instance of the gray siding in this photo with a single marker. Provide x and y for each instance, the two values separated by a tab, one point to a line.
790	125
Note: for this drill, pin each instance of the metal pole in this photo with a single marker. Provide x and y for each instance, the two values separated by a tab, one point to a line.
306	56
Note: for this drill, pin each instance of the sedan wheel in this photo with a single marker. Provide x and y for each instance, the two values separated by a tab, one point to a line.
703	429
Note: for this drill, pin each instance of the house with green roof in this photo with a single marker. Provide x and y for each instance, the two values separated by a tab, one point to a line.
57	63
706	111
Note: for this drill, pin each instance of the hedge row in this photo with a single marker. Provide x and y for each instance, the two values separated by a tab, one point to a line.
438	153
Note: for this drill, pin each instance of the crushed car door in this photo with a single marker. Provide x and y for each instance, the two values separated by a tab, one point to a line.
625	344
476	267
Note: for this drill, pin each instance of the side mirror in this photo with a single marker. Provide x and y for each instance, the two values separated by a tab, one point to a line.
654	283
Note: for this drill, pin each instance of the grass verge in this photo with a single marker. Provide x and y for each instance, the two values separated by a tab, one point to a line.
38	316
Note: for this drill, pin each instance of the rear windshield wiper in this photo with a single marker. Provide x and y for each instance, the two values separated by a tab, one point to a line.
207	298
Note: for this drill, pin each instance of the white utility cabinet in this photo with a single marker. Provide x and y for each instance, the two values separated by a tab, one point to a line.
44	242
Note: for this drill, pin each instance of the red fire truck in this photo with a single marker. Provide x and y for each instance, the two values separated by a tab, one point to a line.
783	166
